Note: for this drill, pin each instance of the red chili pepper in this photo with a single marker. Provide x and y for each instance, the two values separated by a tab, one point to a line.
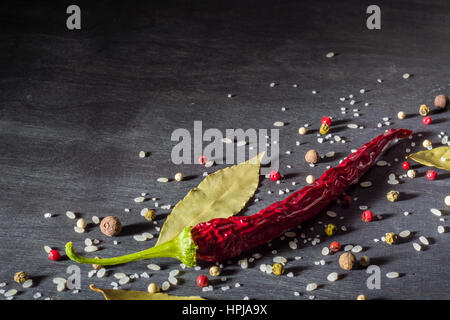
405	165
202	281
274	175
335	246
221	238
426	120
432	175
367	216
54	255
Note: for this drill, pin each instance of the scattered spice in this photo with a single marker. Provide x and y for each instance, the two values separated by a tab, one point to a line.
312	156
367	216
441	101
152	288
432	175
221	239
149	215
424	110
214	271
426	120
427	143
202	160
347	261
302	130
110	226
310	179
335	246
393	196
364	261
274	175
202	281
330	230
277	269
81	223
391	238
54	255
411	173
447	200
20	277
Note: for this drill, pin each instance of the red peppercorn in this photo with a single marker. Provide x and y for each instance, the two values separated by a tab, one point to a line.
274	175
326	120
431	175
346	201
405	165
335	246
54	255
367	216
202	160
202	281
426	120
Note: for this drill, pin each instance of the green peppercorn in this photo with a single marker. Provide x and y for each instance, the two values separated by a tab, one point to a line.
390	238
393	196
278	269
150	215
20	277
330	230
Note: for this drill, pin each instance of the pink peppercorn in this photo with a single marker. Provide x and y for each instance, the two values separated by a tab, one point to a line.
431	175
367	216
405	165
202	281
426	120
335	246
326	120
54	255
274	175
202	160
346	201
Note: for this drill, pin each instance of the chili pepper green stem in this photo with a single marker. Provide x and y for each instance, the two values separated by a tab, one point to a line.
182	247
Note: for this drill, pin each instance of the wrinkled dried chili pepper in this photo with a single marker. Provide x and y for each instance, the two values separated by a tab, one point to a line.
220	239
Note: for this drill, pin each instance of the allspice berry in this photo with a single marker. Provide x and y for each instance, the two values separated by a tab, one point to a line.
20	277
214	271
361	297
364	261
441	101
347	261
393	196
312	156
110	226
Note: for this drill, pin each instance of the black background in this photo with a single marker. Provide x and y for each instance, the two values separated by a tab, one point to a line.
76	107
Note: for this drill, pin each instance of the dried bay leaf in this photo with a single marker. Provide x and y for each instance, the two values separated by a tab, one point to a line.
433	157
111	294
220	195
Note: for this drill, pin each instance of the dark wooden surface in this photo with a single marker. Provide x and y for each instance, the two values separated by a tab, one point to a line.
76	107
